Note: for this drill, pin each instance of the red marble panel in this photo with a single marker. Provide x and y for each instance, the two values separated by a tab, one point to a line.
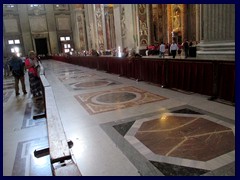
186	137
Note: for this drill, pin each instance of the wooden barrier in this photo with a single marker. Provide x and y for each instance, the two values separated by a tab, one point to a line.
60	155
208	77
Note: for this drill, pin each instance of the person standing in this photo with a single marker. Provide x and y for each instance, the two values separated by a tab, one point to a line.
173	49
17	68
186	48
6	67
162	50
32	65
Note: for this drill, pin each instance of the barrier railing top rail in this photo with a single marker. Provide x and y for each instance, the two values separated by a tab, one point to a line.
60	155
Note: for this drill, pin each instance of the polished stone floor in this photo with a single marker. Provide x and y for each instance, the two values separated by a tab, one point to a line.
120	127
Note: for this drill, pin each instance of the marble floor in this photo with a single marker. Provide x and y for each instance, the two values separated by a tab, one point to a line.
119	127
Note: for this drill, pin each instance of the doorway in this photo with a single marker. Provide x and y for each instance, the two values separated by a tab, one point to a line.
41	46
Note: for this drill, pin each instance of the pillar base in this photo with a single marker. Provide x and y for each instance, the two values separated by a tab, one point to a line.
216	51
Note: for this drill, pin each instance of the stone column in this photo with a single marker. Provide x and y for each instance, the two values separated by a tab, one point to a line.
25	27
90	26
99	19
218	32
79	28
128	40
143	22
52	32
184	21
164	23
117	24
198	22
169	16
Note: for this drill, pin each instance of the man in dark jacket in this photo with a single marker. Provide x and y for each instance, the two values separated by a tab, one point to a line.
186	48
17	68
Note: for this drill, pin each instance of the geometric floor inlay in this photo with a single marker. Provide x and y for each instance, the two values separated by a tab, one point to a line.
8	88
26	164
103	101
193	138
31	110
92	84
9	85
123	128
6	95
182	141
74	76
186	111
175	170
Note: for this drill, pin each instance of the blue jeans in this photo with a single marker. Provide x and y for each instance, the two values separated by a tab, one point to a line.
161	54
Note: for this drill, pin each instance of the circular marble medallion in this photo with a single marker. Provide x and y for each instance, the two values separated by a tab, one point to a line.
91	84
116	97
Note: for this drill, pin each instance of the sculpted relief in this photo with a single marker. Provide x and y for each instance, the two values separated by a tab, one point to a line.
123	25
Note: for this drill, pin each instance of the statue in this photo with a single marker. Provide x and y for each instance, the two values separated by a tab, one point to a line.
176	21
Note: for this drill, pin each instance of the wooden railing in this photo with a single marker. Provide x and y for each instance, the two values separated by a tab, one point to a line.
60	155
208	77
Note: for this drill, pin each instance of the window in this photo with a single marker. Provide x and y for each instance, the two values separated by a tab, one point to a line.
61	7
15	49
67	38
35	5
15	41
66	44
10	42
8	5
67	48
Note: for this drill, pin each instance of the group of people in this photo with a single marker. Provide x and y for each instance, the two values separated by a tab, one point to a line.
175	49
32	65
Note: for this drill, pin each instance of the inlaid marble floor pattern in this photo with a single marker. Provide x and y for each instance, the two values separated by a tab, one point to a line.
122	127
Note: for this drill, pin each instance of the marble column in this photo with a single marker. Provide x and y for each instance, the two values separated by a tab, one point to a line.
198	22
25	28
184	28
143	25
80	28
169	16
164	23
117	24
100	26
90	26
52	33
218	32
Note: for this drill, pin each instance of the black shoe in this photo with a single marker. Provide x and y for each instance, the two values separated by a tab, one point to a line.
17	94
25	92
